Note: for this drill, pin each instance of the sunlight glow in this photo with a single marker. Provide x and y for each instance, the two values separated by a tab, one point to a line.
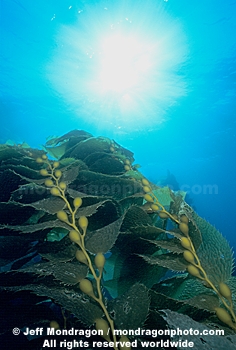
120	67
123	62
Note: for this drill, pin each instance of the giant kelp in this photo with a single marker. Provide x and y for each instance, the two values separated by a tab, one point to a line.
87	232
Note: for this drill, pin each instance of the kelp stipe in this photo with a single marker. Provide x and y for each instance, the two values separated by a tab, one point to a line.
77	235
190	255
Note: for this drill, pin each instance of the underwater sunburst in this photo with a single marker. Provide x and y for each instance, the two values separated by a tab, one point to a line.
120	66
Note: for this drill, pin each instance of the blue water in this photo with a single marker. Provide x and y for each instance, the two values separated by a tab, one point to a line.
176	111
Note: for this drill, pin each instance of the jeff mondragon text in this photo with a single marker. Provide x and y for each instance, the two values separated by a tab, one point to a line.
129	332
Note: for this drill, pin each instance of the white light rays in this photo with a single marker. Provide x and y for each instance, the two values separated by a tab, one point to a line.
120	67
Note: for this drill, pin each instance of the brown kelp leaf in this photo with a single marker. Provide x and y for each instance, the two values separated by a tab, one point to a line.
131	309
160	301
39	181
106	185
172	245
29	193
89	146
90	210
100	241
58	251
212	248
109	212
123	152
68	273
105	164
135	216
130	270
190	288
94	157
8	152
61	147
37	227
176	233
204	301
71	173
76	303
29	162
74	193
178	321
195	234
96	208
147	231
172	261
73	134
24	171
42	269
50	205
172	286
215	253
127	202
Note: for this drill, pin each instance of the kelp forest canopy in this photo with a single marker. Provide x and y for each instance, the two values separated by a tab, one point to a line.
88	242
